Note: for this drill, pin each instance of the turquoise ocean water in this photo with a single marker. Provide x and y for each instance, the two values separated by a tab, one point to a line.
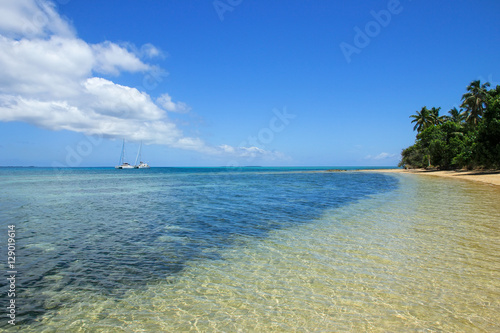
250	249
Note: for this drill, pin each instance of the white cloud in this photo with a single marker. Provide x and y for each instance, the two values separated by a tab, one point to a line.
44	68
166	102
249	153
113	59
381	156
119	101
227	149
48	79
150	51
32	19
258	153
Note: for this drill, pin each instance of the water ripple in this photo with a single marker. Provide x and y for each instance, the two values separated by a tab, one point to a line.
252	251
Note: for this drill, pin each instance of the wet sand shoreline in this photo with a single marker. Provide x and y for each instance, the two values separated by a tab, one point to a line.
486	176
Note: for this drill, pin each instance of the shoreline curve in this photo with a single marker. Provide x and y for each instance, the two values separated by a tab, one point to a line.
487	176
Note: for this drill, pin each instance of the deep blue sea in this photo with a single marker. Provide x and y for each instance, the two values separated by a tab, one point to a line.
251	249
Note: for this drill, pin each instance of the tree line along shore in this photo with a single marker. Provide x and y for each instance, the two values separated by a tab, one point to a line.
465	138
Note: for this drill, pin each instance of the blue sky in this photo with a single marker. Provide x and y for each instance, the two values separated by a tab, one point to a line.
233	82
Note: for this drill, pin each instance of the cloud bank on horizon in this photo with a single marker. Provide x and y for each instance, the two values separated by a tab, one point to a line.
50	79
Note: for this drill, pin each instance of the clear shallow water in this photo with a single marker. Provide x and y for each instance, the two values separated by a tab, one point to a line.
253	250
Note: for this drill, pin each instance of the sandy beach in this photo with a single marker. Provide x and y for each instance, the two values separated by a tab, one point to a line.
489	177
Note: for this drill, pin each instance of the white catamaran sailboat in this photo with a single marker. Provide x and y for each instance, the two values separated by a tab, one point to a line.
123	165
141	165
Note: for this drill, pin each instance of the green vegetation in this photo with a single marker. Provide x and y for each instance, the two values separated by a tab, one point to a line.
466	138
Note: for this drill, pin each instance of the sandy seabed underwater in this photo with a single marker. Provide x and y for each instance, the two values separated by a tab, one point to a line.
207	249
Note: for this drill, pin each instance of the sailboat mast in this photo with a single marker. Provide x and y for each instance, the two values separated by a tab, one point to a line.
138	158
122	156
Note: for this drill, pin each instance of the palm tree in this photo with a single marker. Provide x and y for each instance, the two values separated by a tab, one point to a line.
423	119
456	116
435	116
474	101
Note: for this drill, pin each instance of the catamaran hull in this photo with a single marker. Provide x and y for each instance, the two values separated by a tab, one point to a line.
142	166
124	167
